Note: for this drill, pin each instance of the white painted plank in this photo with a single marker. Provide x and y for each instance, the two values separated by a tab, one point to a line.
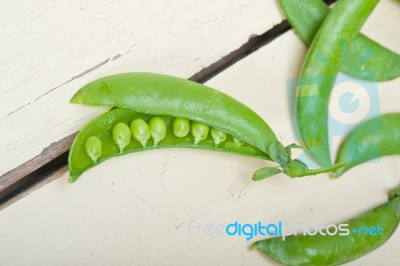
136	209
48	49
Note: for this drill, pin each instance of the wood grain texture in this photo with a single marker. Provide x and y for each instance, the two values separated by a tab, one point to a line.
43	162
66	44
46	156
138	209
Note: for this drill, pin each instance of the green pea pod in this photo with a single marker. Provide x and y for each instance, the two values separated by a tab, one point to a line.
320	70
165	95
364	234
365	59
102	129
377	137
161	95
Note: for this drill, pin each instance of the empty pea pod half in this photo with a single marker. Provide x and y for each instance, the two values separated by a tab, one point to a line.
337	244
377	137
165	111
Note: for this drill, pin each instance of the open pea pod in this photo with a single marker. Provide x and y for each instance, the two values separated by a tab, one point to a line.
110	135
377	137
156	95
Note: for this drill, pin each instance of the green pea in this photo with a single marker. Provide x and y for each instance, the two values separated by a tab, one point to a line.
238	141
199	132
93	148
140	131
181	127
121	135
158	129
218	136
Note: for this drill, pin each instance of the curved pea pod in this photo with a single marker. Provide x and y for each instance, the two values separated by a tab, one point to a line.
319	72
156	94
348	243
365	59
100	135
377	137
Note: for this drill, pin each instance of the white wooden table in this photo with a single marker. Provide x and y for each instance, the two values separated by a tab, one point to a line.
138	209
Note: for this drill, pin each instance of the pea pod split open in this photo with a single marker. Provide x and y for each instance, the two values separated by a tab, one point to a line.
111	140
365	59
319	72
170	97
377	137
165	95
331	248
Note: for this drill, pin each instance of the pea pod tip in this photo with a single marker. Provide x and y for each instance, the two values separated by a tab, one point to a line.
72	178
255	245
340	170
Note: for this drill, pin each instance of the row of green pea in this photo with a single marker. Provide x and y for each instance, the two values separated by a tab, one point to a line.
156	129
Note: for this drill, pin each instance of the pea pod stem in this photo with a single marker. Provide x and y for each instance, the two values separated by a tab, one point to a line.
319	72
294	168
288	166
309	172
365	59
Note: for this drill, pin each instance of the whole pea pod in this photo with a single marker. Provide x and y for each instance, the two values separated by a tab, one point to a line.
163	111
377	137
364	234
365	59
319	72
